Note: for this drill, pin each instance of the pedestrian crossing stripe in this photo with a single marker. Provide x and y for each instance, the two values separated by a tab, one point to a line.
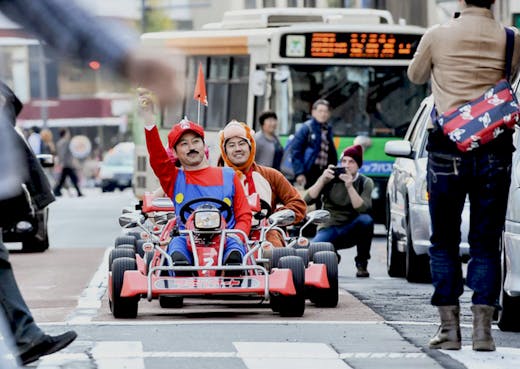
275	355
254	354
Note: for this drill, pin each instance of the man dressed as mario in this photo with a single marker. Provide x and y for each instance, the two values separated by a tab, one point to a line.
195	179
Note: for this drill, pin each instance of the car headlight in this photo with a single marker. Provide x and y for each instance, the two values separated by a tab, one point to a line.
424	195
207	219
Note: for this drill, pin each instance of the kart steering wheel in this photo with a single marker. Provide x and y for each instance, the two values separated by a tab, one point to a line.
224	209
264	205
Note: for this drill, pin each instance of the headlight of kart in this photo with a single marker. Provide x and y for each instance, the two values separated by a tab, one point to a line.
207	219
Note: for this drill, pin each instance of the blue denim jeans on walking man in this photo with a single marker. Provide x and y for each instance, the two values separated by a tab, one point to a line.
485	177
359	232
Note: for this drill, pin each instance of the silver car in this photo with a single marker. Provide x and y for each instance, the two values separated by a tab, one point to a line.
408	228
508	317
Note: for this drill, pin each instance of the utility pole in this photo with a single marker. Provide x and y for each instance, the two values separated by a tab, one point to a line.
143	16
42	72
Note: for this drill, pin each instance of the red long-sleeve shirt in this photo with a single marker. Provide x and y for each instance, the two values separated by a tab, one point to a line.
167	173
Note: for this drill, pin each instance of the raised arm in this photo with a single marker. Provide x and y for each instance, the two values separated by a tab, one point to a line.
160	162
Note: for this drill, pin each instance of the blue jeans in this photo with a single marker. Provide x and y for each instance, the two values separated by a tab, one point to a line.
485	177
358	232
180	244
25	331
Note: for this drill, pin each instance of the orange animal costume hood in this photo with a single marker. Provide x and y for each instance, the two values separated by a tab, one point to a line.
242	130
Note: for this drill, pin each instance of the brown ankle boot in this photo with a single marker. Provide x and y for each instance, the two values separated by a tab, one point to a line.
482	317
448	335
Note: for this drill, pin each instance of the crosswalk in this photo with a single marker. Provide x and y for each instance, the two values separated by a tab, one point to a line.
254	355
260	355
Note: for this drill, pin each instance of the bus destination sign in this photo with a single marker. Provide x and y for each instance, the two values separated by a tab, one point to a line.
353	45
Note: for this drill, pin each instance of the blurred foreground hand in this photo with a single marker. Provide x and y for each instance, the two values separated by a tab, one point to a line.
157	71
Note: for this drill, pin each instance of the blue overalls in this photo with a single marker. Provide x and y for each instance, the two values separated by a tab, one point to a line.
184	192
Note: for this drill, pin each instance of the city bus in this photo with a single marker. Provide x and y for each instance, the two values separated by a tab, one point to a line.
284	60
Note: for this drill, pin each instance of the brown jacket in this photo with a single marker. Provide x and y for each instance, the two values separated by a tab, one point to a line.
282	193
463	57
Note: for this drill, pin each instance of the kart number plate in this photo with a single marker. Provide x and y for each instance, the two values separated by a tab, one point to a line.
207	283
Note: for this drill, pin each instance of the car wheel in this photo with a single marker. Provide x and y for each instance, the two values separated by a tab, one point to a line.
39	242
122	307
508	318
395	260
34	244
107	188
327	297
417	266
293	306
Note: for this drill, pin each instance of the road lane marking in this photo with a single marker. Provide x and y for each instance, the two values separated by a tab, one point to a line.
210	321
274	355
282	355
89	301
118	354
383	355
503	357
59	360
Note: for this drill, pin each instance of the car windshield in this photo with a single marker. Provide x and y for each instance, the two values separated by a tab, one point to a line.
119	159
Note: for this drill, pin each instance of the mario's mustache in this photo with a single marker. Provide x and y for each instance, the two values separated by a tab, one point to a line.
193	152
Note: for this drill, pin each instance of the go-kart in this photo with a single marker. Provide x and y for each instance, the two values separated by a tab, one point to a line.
156	213
156	275
320	259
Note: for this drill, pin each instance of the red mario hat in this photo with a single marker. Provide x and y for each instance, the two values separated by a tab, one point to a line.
181	128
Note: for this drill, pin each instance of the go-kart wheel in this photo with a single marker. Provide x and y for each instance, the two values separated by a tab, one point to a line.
304	254
139	247
315	247
122	307
125	246
278	253
327	297
120	252
187	209
137	235
274	303
125	240
293	306
171	302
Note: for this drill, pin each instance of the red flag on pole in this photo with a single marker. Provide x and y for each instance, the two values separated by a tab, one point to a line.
200	88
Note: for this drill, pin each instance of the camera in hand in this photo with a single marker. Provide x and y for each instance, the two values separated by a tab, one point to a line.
338	171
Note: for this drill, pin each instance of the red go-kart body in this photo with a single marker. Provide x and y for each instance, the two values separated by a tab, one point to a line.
155	275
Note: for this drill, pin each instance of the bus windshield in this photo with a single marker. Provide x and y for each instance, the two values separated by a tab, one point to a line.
378	101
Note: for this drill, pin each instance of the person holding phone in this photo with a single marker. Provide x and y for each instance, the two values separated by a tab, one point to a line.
347	195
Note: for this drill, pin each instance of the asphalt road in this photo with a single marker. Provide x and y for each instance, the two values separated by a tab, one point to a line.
381	322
